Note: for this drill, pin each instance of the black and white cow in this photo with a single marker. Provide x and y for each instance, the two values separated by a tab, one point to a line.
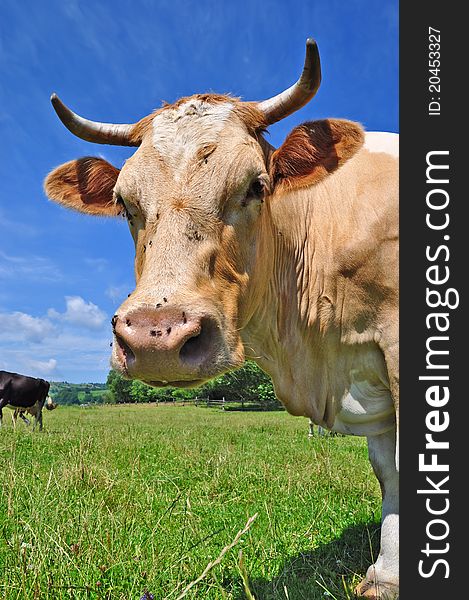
24	394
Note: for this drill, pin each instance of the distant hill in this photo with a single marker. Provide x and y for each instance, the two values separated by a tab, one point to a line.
63	392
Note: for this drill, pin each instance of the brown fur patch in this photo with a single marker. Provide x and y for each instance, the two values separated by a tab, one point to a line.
85	185
251	116
179	204
140	129
204	152
313	150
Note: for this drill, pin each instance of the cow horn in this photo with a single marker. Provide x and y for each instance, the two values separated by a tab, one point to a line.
93	131
300	93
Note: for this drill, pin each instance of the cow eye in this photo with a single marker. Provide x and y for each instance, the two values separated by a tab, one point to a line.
124	210
255	190
120	202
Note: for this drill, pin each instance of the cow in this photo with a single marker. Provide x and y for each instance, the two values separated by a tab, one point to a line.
287	256
49	404
24	394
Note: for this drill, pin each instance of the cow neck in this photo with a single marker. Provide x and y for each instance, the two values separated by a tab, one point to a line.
291	335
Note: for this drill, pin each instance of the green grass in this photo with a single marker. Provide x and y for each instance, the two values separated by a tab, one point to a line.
111	501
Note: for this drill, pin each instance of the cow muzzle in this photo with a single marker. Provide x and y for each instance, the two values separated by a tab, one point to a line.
167	345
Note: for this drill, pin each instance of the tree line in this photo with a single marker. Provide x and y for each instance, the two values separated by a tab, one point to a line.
248	384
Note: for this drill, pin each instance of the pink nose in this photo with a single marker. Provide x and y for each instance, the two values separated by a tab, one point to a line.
163	344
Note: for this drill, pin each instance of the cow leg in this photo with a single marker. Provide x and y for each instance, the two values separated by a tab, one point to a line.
18	413
382	578
3	403
38	420
4	394
26	420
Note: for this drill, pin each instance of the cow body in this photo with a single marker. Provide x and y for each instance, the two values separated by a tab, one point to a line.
285	256
329	311
23	394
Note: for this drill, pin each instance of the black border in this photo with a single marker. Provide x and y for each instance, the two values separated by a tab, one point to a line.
419	134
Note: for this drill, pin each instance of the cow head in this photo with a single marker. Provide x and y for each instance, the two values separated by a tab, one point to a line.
50	404
193	195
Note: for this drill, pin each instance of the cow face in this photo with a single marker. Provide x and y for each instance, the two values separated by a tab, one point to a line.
193	195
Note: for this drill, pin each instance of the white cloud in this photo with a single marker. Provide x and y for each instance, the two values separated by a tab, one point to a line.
78	357
79	312
19	326
33	268
58	345
43	367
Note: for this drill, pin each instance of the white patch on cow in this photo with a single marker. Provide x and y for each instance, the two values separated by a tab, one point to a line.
382	141
179	132
367	409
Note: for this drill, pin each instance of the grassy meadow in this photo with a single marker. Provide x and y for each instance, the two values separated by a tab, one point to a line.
111	502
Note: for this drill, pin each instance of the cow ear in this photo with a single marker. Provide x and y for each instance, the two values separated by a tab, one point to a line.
313	150
85	185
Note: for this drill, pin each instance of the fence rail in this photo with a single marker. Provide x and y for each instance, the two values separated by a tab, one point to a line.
216	402
221	403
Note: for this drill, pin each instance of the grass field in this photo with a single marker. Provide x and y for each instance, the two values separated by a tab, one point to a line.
111	501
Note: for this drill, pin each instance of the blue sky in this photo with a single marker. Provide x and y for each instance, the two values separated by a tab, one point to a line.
62	275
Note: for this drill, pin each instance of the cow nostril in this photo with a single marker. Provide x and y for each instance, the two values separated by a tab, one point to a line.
124	350
196	348
191	349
